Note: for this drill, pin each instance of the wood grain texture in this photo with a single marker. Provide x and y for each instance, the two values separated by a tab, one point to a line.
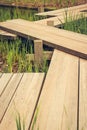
54	31
7	95
57	107
50	36
4	80
24	101
83	95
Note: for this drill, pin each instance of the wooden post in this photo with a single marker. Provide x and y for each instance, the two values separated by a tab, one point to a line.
40	9
38	50
50	23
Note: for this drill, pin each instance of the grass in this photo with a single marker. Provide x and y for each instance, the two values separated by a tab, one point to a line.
14	13
35	119
20	124
13	55
76	23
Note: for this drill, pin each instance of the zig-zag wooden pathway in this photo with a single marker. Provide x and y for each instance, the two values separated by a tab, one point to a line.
57	101
67	41
59	16
19	93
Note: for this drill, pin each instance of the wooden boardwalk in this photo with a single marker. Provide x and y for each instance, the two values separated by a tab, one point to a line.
19	93
58	16
56	101
59	12
60	19
67	41
62	104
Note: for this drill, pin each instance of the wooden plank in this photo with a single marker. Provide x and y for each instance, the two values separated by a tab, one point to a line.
59	15
59	11
73	46
24	101
57	107
7	95
4	80
52	30
83	95
7	35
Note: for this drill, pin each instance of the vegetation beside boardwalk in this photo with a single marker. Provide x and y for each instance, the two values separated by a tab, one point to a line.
13	53
77	23
14	13
13	57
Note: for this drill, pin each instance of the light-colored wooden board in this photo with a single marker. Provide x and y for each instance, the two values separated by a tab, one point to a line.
59	11
57	107
67	44
52	30
83	95
60	14
8	35
4	80
7	95
24	101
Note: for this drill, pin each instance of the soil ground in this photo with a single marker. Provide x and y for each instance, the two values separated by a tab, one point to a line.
36	4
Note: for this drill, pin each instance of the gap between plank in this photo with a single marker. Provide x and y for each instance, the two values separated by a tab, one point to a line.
78	93
37	102
6	85
11	97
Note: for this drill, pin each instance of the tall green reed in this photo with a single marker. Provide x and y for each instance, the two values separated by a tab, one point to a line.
15	55
20	124
76	23
13	13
